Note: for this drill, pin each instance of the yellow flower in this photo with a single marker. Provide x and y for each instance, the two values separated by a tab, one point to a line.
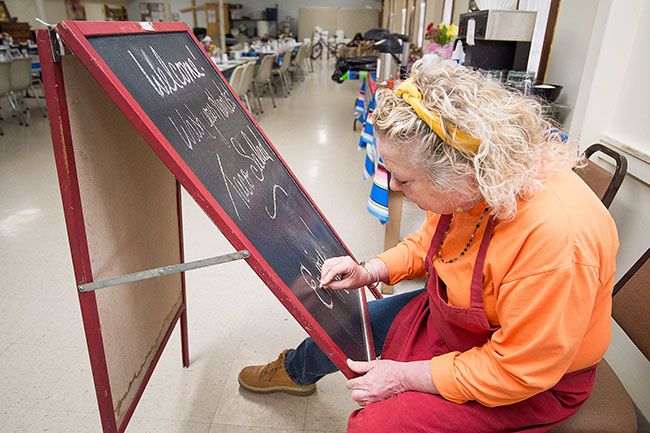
452	31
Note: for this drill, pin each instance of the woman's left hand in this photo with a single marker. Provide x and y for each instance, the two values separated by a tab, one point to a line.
384	379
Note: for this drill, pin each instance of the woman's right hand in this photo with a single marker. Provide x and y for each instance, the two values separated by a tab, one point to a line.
342	273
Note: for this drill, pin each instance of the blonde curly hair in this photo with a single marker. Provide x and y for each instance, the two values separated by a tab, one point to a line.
519	147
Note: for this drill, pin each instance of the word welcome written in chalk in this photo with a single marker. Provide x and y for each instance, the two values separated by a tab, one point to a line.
167	77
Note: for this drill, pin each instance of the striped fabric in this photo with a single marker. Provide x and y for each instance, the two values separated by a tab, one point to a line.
373	165
371	161
367	132
360	103
378	200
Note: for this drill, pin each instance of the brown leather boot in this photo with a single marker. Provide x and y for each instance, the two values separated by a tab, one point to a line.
272	377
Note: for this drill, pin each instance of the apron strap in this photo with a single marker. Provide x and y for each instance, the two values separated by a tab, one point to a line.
443	224
476	300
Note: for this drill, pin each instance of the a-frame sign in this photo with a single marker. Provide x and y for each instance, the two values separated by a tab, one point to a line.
136	111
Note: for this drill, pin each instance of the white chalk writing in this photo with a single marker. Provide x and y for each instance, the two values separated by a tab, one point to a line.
249	147
189	127
324	295
167	77
275	201
219	107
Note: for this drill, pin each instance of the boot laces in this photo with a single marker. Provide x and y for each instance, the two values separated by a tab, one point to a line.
272	367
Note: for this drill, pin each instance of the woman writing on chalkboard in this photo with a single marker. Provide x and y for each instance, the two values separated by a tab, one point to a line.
519	255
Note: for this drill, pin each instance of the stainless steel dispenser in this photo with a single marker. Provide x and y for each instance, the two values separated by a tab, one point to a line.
391	57
387	67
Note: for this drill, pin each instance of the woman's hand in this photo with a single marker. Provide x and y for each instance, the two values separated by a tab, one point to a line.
384	379
341	273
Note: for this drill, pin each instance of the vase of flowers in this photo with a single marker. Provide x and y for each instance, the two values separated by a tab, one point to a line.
440	39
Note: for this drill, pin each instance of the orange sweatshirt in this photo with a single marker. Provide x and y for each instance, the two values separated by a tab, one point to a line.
548	280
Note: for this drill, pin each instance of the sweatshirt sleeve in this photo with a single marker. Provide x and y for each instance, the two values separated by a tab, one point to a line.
543	319
405	261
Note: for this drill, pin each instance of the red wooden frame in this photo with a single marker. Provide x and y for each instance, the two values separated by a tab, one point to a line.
74	34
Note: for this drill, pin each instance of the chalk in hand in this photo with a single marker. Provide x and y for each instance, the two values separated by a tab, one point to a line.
337	277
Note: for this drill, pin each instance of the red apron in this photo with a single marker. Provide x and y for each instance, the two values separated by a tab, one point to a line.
428	326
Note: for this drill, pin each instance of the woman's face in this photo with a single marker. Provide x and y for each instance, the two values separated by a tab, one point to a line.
415	185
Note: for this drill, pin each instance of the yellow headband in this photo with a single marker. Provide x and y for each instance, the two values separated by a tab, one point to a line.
456	138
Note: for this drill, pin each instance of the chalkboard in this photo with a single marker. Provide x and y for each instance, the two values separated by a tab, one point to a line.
172	81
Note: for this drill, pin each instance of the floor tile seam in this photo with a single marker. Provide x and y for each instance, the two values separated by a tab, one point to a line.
241	339
51	409
48	410
222	393
305	414
258	426
149	418
9	345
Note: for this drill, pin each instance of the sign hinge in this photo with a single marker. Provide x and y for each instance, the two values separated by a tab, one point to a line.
55	41
57	46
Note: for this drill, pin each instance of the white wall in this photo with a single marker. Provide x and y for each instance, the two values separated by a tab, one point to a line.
598	49
631	118
350	20
573	32
285	7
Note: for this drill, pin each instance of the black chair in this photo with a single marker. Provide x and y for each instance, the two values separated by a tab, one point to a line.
601	181
610	409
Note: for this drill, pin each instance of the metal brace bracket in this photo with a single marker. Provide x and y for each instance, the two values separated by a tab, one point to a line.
163	270
55	41
57	45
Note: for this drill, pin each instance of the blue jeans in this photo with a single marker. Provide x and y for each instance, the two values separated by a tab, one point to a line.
307	364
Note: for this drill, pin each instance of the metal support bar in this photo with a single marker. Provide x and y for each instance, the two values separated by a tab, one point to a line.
164	270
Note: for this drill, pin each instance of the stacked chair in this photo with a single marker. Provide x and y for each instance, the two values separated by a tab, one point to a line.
246	86
240	81
297	68
5	85
262	80
251	84
282	73
15	80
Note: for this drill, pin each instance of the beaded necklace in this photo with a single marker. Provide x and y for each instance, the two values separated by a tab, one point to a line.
467	245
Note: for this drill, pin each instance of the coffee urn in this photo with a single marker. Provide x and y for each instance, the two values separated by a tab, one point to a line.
391	56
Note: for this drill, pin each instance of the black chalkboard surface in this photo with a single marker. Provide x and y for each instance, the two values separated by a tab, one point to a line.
187	100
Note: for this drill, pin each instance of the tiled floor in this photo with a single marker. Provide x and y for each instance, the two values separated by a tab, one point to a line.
45	379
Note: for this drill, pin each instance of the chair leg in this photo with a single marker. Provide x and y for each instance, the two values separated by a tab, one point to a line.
272	92
25	110
16	109
284	85
40	104
256	92
288	79
289	82
257	101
